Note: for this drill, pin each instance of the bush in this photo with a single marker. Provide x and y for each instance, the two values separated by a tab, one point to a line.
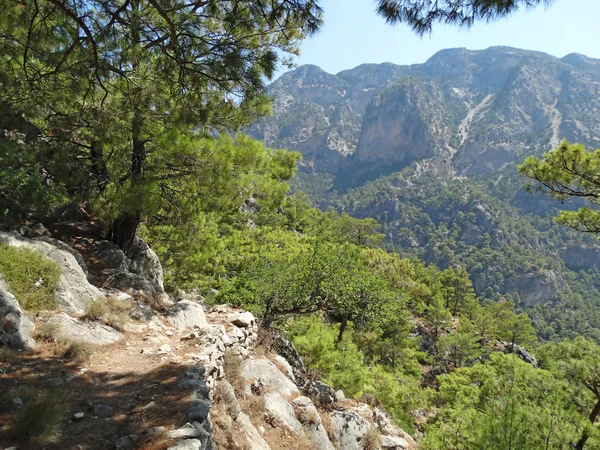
41	418
77	351
47	332
111	311
31	277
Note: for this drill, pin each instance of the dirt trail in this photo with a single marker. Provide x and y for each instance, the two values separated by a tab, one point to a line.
128	388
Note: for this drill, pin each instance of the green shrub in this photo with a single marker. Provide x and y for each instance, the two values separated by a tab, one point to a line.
31	277
41	418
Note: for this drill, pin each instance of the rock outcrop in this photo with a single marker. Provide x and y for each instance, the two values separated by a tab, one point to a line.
16	328
74	291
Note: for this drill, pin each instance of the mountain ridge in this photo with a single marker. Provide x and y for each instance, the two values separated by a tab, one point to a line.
498	104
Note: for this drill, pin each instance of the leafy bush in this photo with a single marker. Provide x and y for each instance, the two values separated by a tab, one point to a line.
31	277
23	189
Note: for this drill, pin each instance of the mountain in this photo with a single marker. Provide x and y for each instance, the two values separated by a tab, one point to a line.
468	112
430	151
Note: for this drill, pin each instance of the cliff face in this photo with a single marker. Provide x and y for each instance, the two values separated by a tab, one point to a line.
475	111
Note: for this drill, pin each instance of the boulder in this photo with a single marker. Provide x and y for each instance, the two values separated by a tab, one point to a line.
278	407
289	352
15	327
255	440
226	395
138	270
507	347
311	422
393	442
266	373
186	314
242	319
74	291
189	430
94	333
315	389
284	366
187	444
349	429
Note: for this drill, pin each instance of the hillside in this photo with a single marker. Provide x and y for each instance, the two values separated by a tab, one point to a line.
454	129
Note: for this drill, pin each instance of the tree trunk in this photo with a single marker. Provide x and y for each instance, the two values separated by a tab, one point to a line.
343	326
585	436
123	229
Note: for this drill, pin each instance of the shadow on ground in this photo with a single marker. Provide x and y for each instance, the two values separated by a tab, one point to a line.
41	393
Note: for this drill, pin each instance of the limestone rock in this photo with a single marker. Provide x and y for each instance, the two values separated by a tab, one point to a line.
349	429
74	291
278	407
94	333
15	327
311	422
255	440
189	430
393	442
187	444
282	363
265	372
186	314
243	320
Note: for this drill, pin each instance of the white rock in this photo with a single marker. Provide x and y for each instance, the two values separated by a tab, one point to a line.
94	333
242	320
393	442
278	406
15	326
165	348
255	440
186	314
309	417
349	429
265	372
187	444
281	362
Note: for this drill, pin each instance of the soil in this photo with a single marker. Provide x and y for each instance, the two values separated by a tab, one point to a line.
141	389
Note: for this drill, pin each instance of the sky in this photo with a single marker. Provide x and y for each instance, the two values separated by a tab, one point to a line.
354	34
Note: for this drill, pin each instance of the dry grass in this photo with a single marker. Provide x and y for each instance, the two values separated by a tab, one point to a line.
41	418
47	332
110	311
372	440
63	346
8	355
326	421
78	351
233	373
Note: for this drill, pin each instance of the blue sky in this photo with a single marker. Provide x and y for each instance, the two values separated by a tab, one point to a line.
353	34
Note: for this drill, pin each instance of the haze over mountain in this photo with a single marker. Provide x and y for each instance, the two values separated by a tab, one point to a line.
430	151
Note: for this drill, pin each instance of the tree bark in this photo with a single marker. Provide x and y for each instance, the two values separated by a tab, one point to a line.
585	436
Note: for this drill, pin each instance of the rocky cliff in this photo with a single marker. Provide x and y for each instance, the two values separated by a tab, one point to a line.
471	111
